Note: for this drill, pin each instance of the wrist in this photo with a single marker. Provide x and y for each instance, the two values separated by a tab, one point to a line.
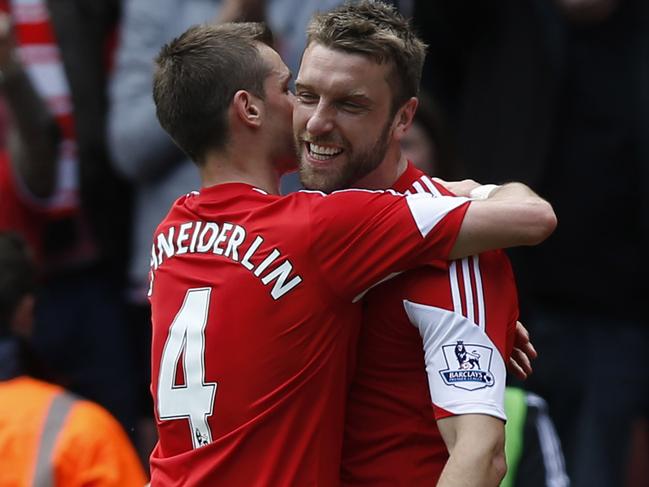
483	192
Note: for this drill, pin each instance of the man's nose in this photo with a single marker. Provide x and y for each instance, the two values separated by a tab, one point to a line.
321	120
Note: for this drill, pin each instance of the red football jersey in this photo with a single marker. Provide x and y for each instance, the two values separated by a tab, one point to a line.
437	332
255	313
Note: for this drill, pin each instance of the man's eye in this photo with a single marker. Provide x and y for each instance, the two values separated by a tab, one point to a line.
306	97
351	106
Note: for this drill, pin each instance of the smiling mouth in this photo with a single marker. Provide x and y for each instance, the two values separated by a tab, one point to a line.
321	152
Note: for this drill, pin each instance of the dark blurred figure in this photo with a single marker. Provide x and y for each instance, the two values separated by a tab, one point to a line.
47	435
556	94
58	189
427	144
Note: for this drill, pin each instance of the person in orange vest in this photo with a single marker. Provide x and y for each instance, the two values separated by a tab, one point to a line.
49	437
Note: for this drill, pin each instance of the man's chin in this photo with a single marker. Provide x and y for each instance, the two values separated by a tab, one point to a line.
317	182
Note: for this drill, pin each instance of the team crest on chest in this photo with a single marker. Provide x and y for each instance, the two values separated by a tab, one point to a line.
467	366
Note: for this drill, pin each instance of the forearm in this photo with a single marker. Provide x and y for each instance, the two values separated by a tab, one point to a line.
513	191
467	467
140	148
511	216
535	216
34	135
476	444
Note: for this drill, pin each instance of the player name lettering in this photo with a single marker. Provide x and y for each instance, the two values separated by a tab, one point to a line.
227	240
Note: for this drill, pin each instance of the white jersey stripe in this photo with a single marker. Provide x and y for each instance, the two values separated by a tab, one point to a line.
468	290
455	287
431	187
418	187
425	185
479	292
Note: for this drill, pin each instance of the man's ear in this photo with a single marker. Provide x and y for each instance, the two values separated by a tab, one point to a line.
23	317
248	108
404	117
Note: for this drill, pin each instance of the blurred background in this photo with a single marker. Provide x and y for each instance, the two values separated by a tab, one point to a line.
554	93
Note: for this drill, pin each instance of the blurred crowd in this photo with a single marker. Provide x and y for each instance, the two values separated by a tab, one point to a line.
554	93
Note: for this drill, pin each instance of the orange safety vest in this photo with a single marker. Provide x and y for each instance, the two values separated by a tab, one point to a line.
50	438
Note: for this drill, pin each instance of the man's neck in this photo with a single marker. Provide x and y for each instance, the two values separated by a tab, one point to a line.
384	176
249	169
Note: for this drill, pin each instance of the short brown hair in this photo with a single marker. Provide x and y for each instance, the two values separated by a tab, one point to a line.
196	76
377	30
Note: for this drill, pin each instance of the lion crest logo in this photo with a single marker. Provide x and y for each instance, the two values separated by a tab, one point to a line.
472	371
466	360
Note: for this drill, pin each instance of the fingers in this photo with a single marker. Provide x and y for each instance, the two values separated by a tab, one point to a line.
522	341
520	364
529	350
516	370
521	333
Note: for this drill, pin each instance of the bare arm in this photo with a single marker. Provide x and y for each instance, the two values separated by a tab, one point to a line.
511	216
476	443
33	136
141	150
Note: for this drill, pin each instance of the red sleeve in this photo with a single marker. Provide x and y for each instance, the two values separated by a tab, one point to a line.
362	237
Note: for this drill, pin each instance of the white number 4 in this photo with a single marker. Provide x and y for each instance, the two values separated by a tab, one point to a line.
193	400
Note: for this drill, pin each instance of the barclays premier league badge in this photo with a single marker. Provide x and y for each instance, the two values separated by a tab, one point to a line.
468	366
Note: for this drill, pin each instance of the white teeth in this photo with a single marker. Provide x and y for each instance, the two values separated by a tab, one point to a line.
320	150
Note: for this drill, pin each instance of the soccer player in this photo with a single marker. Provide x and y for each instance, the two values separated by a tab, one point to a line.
355	91
254	296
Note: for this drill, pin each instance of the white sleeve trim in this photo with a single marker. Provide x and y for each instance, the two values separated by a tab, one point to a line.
466	373
428	210
483	407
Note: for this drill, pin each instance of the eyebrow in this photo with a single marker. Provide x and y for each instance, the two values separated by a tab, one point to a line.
352	94
357	95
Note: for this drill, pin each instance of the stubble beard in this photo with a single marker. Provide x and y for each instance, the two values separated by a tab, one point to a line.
357	166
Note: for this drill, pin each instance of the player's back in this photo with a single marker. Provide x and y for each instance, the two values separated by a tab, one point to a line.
417	320
226	318
253	326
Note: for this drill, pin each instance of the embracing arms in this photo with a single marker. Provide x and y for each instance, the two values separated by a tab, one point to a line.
511	215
